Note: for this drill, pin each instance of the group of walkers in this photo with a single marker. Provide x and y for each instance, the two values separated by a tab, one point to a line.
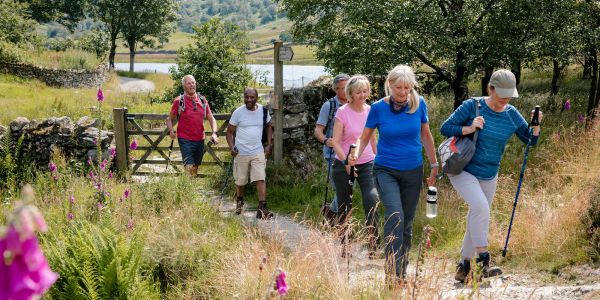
388	167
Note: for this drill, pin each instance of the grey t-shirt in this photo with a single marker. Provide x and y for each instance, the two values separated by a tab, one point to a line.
324	117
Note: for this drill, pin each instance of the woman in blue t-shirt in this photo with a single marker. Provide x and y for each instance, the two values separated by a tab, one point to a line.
403	125
497	122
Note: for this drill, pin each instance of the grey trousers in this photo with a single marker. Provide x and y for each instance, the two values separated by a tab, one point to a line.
479	195
399	192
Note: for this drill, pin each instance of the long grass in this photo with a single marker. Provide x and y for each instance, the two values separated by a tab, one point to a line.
193	252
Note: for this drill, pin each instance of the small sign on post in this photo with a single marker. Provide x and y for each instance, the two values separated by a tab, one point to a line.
286	53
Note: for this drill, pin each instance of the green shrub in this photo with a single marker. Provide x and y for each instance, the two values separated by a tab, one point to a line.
592	223
98	263
15	164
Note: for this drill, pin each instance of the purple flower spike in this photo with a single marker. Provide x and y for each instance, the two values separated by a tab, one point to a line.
89	161
100	206
52	167
126	194
113	152
568	104
70	216
110	174
581	118
280	284
133	144
103	164
72	199
100	95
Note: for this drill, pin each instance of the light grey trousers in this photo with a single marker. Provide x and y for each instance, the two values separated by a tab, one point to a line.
479	195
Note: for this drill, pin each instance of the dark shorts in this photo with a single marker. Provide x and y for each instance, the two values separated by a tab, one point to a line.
191	151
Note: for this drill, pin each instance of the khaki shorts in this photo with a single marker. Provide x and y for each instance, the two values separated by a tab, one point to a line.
256	163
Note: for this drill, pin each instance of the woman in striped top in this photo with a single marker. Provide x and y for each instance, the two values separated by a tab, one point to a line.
497	122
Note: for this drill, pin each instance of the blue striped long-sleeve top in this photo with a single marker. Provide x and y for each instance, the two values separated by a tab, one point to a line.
492	139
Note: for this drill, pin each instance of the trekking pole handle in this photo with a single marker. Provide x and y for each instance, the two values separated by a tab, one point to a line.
535	120
349	151
352	177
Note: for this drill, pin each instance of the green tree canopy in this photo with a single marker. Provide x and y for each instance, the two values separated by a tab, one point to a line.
216	59
146	22
15	23
451	39
65	12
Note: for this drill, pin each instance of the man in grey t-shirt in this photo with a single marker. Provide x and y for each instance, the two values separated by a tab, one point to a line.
324	128
244	134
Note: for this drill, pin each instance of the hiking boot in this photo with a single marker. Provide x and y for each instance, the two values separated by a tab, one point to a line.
263	212
239	205
483	262
462	271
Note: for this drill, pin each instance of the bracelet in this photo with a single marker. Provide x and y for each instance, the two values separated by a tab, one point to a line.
434	165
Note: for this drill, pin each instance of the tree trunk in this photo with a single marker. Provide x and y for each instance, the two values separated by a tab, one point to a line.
485	80
555	76
112	53
459	85
587	65
516	69
131	55
593	84
380	80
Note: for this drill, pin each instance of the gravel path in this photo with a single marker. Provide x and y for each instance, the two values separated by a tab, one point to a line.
436	277
134	85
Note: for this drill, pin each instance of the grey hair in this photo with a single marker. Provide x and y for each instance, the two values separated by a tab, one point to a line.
338	78
186	77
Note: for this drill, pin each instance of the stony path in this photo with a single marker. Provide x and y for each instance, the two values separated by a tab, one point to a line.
436	277
134	85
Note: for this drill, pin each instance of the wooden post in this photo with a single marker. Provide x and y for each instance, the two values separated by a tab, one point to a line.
278	105
120	128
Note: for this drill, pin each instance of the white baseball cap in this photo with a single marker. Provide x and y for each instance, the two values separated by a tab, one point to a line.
504	83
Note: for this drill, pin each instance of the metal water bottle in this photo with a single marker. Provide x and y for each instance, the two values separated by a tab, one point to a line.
431	210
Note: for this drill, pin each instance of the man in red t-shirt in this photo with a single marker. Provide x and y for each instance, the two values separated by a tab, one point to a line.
190	131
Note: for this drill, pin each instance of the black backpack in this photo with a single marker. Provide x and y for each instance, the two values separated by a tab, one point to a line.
264	132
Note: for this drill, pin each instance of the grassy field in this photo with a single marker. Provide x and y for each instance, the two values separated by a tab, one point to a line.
190	251
260	37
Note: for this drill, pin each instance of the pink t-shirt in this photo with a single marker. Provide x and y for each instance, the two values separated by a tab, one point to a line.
354	123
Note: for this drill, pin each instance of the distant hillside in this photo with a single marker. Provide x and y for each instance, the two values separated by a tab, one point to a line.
248	14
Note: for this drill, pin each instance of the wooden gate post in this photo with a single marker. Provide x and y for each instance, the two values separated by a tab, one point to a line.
278	107
120	124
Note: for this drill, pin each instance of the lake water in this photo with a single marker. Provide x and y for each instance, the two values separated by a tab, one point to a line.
293	75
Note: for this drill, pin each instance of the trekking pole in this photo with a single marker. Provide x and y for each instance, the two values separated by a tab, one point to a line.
169	156
347	219
229	171
534	122
328	176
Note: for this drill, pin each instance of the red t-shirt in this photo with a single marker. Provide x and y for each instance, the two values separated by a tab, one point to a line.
191	123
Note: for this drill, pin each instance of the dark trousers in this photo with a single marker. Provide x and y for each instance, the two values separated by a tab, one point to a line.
368	191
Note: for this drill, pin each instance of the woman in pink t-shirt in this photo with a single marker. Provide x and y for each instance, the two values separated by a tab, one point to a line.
350	122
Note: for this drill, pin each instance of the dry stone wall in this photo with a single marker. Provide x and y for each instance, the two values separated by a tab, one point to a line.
74	140
58	77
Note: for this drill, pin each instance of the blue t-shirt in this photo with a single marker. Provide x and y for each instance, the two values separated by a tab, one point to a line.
492	139
324	117
399	146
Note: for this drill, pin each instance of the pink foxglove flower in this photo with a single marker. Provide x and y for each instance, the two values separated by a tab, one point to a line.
428	243
70	216
110	174
113	152
133	144
72	199
52	167
100	95
24	271
126	193
280	284
581	118
568	104
103	164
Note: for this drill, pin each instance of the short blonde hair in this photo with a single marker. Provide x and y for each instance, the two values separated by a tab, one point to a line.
355	82
404	74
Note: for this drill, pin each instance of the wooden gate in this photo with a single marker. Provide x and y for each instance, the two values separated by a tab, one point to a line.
128	125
